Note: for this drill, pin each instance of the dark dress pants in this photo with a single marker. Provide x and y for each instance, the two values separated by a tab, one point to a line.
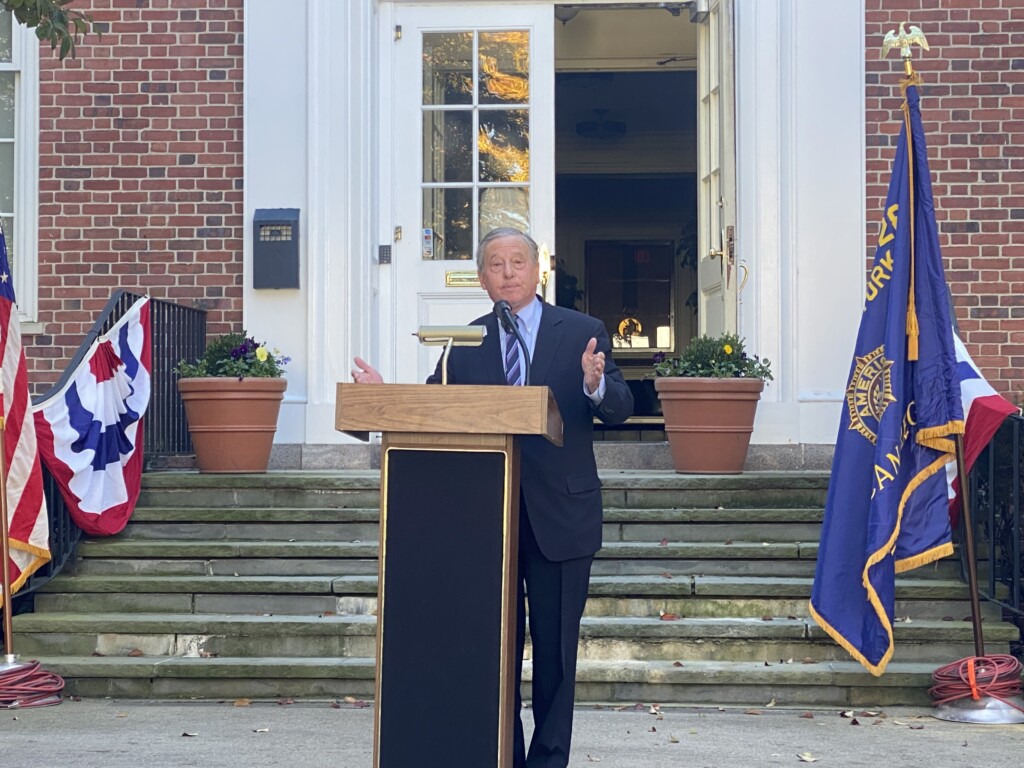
557	593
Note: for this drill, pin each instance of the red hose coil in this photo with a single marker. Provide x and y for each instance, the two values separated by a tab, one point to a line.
996	676
27	685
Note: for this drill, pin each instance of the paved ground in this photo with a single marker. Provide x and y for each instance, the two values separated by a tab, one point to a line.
112	733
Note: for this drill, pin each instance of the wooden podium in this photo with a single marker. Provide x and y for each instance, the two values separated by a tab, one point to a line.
447	573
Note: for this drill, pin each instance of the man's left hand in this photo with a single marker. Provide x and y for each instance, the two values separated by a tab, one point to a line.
593	367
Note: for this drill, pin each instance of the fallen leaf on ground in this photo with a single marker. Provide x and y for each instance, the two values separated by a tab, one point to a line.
242	702
335	705
666	575
916	727
655	709
186	733
728	541
808	715
285	702
122	714
677	663
664	543
652	729
766	617
136	652
847	713
261	730
673	740
855	721
752	712
670	617
809	660
770	703
807	757
592	759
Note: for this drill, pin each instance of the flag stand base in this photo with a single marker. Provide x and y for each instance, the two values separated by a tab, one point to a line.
985	711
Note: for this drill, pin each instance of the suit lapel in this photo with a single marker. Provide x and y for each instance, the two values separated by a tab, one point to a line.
549	336
490	350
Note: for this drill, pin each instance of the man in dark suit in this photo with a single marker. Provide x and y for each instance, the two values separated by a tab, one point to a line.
560	494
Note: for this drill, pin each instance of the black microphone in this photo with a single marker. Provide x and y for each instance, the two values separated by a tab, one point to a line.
504	312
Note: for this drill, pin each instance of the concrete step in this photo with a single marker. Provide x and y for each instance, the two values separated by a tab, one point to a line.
826	684
714	525
602	638
360	488
166	557
641	595
621	524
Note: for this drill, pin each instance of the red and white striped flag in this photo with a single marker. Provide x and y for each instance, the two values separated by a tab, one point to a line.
27	525
984	410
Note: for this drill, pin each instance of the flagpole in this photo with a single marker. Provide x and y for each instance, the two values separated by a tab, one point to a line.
5	551
972	561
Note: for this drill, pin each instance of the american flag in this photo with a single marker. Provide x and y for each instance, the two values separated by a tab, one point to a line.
27	525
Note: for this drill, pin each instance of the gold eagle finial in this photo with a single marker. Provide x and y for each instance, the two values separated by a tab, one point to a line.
903	40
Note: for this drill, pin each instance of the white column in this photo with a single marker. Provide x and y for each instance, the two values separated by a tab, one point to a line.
800	135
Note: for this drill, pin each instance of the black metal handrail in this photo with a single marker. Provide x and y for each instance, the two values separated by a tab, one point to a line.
995	495
176	332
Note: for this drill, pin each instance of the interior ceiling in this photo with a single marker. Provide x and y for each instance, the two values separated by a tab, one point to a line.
642	38
638	64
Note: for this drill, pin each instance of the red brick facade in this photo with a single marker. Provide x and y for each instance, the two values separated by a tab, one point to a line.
140	183
972	103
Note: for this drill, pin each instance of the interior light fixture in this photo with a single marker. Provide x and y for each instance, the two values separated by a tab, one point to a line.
565	14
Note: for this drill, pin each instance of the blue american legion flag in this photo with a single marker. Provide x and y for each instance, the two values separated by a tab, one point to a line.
90	430
887	506
28	529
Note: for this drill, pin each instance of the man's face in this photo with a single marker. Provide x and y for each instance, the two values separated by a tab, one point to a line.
509	273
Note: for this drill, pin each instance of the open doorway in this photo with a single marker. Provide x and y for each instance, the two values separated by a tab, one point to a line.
626	183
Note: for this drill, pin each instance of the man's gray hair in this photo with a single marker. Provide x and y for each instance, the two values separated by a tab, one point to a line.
495	234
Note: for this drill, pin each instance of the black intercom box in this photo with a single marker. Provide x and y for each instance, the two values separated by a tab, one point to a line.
275	248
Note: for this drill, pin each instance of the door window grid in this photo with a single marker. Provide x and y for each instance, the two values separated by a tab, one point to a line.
476	145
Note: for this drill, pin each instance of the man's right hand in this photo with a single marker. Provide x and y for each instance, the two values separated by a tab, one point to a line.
364	373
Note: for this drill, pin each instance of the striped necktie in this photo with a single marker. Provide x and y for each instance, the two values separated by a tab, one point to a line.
513	370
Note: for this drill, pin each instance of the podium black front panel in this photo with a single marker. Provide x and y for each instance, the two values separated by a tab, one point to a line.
440	617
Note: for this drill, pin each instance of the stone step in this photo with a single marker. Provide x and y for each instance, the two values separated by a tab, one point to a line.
652	524
662	585
839	684
601	639
715	525
165	557
355	488
644	595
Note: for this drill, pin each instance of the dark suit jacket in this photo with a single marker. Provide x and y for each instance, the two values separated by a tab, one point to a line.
559	486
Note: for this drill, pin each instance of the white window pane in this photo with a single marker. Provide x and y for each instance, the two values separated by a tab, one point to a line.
6	105
5	36
6	177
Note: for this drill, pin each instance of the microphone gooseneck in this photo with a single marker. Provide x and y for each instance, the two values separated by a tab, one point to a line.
504	312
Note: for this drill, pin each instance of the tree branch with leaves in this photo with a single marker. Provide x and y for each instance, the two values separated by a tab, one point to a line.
63	27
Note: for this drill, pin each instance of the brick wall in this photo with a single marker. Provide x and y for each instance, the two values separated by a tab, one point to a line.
140	183
972	104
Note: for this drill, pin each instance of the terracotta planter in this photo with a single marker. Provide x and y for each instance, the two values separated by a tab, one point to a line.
708	421
232	421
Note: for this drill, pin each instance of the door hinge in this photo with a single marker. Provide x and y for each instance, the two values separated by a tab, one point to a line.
398	32
398	234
